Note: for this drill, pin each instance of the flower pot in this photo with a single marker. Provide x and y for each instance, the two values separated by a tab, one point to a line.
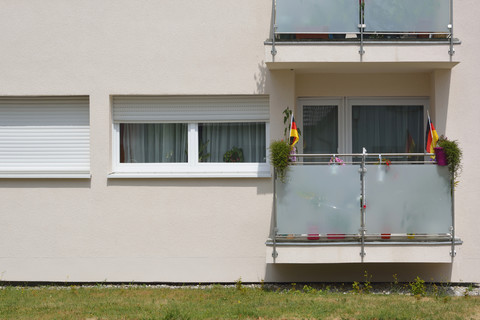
313	236
313	233
440	156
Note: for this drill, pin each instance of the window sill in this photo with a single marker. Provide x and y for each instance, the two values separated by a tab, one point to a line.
45	175
157	175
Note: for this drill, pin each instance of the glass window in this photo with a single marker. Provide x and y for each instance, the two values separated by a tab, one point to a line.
380	125
153	142
231	142
320	129
190	136
381	129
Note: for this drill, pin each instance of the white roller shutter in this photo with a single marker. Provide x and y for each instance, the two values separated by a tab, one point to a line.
44	137
143	109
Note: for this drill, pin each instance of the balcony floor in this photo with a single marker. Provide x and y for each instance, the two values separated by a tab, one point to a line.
348	252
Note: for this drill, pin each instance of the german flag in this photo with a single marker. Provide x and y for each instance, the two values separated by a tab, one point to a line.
431	137
293	132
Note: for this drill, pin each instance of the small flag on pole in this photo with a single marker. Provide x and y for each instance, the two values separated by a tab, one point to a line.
293	132
410	145
431	137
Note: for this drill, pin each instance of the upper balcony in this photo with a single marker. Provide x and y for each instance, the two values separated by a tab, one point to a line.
385	31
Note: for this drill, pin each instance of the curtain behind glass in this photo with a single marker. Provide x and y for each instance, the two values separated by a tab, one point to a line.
392	129
320	130
215	139
153	142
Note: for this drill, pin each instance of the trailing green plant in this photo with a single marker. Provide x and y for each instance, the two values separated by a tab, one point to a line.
417	287
281	150
279	157
454	156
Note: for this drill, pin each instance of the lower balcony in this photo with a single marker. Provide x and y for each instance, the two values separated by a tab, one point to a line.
365	208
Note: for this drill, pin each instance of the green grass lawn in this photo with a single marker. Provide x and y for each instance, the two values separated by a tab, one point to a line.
219	302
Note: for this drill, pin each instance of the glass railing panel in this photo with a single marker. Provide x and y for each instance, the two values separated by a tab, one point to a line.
408	199
317	16
319	199
407	16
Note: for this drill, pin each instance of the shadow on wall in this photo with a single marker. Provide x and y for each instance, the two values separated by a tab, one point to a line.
263	185
45	183
380	272
441	95
261	79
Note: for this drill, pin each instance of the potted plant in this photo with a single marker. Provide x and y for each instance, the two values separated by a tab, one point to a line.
233	155
282	153
453	155
279	157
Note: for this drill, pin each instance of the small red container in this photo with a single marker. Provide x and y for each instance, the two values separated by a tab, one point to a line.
313	233
385	236
313	236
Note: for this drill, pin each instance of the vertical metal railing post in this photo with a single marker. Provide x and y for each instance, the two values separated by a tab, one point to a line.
451	52
275	229
363	204
274	27
361	26
452	228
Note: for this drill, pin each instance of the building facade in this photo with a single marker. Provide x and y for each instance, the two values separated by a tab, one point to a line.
121	124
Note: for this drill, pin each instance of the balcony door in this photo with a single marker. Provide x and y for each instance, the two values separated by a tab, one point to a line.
346	125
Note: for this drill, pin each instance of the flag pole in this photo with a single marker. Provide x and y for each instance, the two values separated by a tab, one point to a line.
291	124
430	124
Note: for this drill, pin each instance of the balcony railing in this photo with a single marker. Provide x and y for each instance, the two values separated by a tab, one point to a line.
363	21
407	199
375	19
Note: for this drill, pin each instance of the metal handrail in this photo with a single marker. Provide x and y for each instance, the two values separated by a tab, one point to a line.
361	154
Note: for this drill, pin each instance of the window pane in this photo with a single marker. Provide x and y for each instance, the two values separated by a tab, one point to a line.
153	142
232	142
394	129
320	129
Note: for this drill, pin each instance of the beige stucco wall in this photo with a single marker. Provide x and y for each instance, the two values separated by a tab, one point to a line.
192	230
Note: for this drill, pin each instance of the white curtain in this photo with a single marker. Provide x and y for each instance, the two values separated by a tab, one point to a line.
153	142
394	129
320	129
217	138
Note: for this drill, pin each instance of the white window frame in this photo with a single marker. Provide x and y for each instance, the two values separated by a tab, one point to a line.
192	168
345	113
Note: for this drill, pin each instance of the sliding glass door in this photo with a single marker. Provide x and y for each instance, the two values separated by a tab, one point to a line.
346	125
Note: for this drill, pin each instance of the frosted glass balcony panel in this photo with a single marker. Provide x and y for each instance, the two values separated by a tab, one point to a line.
319	199
408	199
407	15
317	16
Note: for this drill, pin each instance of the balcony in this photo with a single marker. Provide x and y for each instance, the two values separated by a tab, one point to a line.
360	31
368	209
